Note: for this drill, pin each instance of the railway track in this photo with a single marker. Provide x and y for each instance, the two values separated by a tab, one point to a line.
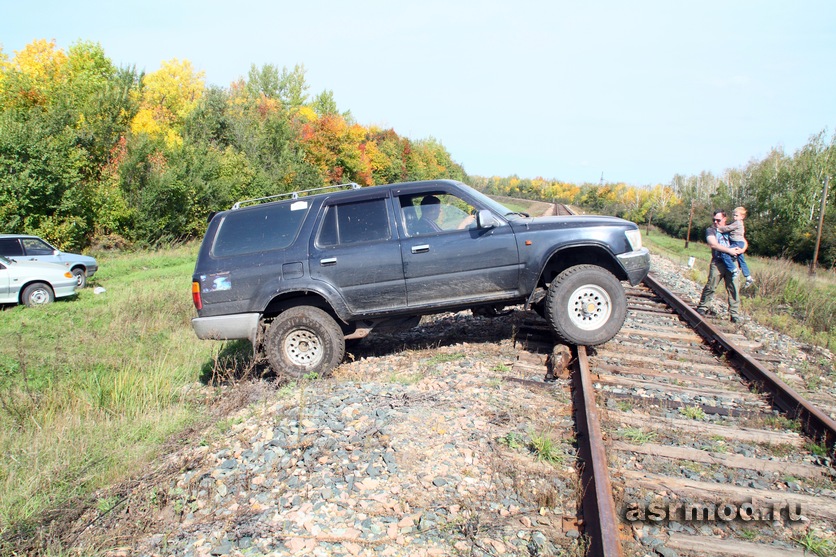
690	445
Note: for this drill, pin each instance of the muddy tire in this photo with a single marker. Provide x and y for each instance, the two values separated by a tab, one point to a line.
303	341
586	305
37	294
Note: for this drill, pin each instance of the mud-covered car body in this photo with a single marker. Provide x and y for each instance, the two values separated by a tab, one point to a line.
363	258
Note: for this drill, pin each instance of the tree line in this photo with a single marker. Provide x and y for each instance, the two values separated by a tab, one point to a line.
92	153
782	194
95	154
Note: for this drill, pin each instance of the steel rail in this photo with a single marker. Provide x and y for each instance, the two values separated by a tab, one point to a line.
815	423
599	514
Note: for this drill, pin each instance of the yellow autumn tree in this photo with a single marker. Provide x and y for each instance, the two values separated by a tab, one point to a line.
39	69
169	95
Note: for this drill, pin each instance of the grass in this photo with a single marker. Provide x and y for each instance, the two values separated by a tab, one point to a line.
692	412
816	545
82	380
638	436
545	448
785	298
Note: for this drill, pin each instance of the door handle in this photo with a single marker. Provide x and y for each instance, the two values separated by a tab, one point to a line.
328	261
423	248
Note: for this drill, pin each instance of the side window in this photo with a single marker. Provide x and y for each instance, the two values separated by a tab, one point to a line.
10	247
33	246
261	228
353	223
435	212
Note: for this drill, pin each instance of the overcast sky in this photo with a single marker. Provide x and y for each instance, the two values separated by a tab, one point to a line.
568	90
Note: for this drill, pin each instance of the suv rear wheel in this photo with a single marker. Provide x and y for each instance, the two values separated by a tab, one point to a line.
586	305
304	340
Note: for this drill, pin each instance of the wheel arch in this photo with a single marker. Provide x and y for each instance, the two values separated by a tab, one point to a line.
587	254
287	300
25	286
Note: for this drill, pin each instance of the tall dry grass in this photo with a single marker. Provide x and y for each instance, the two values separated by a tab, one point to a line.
91	387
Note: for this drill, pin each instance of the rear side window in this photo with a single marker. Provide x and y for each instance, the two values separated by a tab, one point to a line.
265	228
10	247
34	246
352	223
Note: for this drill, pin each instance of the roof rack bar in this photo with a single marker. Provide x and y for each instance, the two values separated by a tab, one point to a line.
294	194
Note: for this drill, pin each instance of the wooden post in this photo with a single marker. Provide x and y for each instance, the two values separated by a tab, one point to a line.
821	225
690	219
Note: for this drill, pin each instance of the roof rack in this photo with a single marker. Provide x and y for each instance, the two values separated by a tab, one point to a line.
295	194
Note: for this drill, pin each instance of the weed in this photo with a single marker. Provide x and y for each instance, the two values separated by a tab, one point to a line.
637	436
625	405
815	544
816	448
512	440
106	504
544	448
445	358
748	534
501	368
777	421
405	378
812	382
692	412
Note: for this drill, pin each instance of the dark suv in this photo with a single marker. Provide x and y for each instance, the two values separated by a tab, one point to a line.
299	276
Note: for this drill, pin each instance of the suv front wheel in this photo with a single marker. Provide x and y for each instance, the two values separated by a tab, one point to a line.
586	305
304	340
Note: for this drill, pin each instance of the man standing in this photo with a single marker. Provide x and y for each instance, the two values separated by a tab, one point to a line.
719	244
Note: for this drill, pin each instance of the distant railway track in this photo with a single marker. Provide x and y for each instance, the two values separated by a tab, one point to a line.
690	445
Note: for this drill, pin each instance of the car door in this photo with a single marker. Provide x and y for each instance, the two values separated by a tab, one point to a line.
5	283
460	262
11	248
36	249
357	251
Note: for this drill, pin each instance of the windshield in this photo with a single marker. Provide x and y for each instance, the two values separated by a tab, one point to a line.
494	206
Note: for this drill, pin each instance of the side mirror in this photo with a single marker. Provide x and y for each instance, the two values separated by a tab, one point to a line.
486	219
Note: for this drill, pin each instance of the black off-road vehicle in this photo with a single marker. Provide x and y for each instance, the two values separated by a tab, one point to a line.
299	276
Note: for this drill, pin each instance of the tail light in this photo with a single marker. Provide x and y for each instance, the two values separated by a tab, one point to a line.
198	303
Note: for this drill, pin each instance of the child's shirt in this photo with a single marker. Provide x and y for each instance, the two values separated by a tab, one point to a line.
735	230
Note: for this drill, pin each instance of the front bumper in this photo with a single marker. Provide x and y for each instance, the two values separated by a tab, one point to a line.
63	290
227	327
636	264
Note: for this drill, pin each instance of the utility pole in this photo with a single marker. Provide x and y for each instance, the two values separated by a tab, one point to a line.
821	226
690	220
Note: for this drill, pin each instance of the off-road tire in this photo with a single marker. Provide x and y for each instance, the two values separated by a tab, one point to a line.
586	305
302	341
37	294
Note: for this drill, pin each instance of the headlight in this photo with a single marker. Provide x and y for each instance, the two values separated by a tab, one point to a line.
635	238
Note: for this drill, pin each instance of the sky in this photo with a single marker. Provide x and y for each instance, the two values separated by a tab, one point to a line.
618	91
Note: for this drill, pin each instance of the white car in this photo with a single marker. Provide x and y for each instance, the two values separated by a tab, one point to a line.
33	283
23	247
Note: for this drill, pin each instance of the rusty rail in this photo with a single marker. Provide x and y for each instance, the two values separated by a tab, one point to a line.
599	514
816	423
